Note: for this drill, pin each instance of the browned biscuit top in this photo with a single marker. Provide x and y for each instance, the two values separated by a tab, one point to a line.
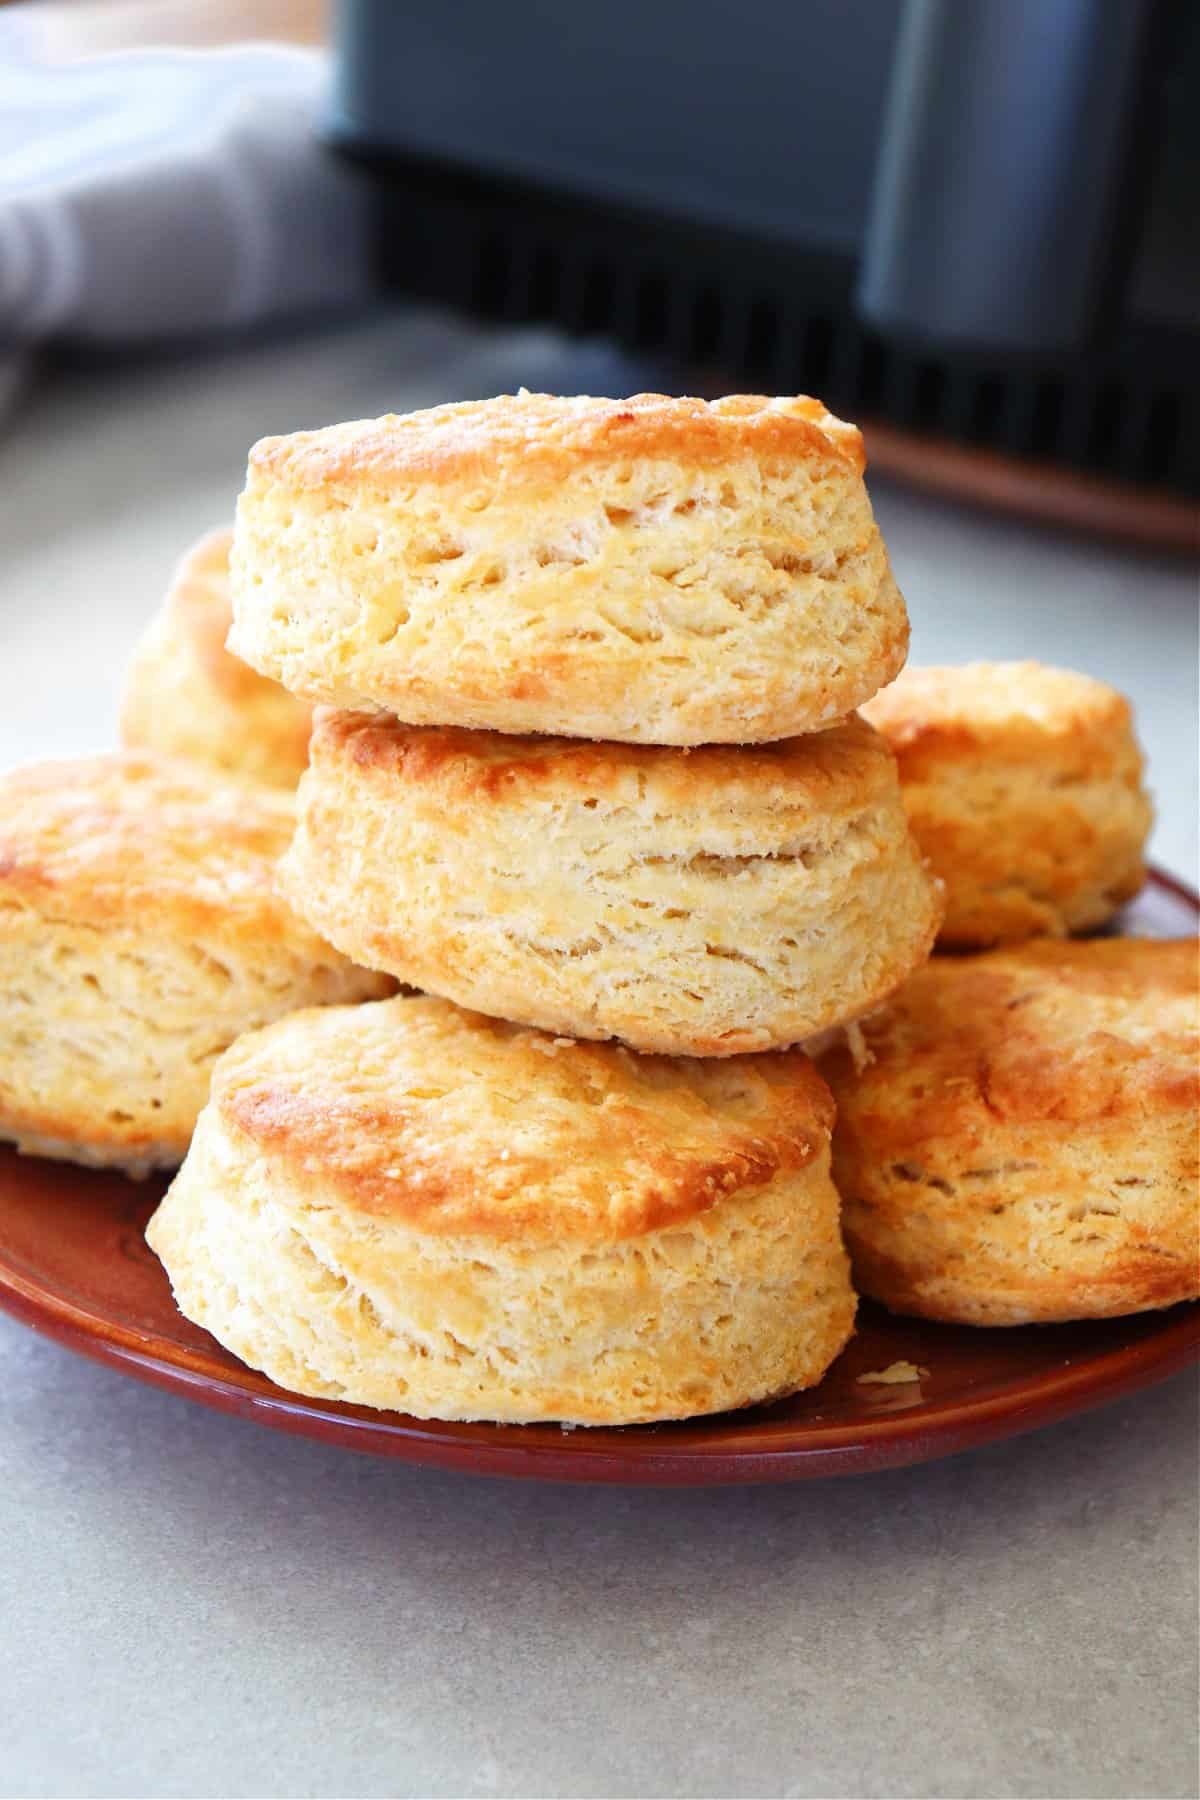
1097	1029
414	1110
847	763
139	836
533	437
933	714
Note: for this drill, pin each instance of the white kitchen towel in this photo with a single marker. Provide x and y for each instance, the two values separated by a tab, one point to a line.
157	193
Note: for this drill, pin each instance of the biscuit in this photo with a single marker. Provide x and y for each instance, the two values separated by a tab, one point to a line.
662	571
1023	786
1023	1145
692	902
185	693
404	1205
140	932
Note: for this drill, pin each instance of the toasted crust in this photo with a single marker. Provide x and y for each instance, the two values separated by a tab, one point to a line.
467	1125
407	1205
536	439
1023	786
1022	1145
185	694
654	571
706	902
136	835
1028	708
141	930
827	771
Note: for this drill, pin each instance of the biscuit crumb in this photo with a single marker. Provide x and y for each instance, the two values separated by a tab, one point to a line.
856	1043
820	1043
895	1373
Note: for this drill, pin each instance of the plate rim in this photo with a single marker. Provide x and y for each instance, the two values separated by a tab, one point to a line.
589	1454
639	1456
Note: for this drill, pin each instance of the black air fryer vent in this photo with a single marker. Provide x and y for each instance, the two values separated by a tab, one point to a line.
762	317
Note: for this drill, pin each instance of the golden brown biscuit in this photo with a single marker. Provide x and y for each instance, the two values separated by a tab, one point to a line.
405	1205
185	693
140	932
693	902
1024	789
663	571
1023	1145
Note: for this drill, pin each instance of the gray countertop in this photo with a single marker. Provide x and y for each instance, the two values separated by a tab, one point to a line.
192	1605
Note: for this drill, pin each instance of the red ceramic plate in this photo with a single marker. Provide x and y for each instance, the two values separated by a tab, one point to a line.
74	1265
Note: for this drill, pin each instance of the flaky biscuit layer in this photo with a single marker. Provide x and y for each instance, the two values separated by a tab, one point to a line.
1022	1145
706	902
653	570
1024	788
141	931
409	1206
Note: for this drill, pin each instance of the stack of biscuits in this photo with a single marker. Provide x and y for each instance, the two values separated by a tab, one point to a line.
615	762
588	774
